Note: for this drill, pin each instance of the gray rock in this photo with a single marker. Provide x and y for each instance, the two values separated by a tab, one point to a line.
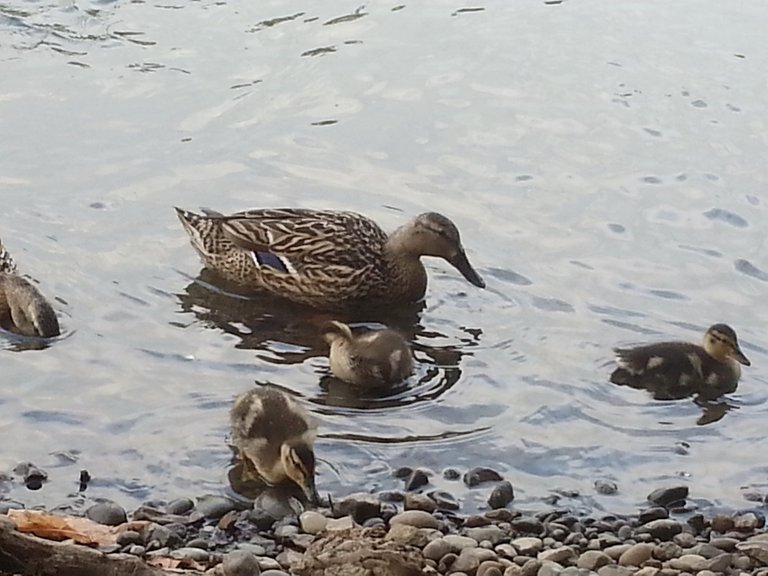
458	543
689	563
481	474
240	563
663	529
407	535
502	495
188	553
312	522
107	513
561	555
719	563
606	488
444	500
179	506
531	567
286	530
273	572
213	506
201	543
593	559
684	539
470	558
527	525
549	568
419	502
721	523
616	570
723	543
513	570
360	506
756	549
451	474
506	551
748	521
416	480
706	550
160	535
650	514
492	533
343	523
254	549
665	551
417	518
616	551
528	546
636	555
436	549
668	496
137	550
128	537
624	532
277	504
489	568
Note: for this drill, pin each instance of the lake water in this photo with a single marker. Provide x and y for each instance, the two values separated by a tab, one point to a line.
604	161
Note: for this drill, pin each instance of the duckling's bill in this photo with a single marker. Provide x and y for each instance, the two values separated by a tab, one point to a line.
739	356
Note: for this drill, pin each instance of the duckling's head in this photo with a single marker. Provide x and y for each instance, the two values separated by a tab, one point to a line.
721	343
299	462
333	331
432	234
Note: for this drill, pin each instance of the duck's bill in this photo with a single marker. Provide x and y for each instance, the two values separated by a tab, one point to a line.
461	263
740	358
311	493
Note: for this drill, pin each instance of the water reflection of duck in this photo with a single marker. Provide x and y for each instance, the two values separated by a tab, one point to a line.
274	437
674	370
373	358
23	309
325	258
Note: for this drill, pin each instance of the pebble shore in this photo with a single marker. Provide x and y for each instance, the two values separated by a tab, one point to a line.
407	532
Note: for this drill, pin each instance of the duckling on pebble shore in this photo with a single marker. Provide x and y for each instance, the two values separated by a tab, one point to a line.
274	436
684	366
23	309
373	358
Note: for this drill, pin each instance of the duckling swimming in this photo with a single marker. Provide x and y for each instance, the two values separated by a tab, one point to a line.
682	368
274	436
374	358
23	309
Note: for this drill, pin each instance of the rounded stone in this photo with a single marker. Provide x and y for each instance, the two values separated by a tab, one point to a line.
458	543
240	563
593	559
663	529
491	533
137	550
668	496
179	506
436	549
343	523
107	513
273	572
312	522
213	507
470	559
549	568
559	555
417	518
489	568
480	474
188	553
502	495
419	502
416	480
128	537
528	546
689	563
636	555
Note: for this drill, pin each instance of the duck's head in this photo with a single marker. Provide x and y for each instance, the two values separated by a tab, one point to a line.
721	343
299	462
432	234
333	331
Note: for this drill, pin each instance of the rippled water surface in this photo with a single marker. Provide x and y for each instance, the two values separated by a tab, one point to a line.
604	161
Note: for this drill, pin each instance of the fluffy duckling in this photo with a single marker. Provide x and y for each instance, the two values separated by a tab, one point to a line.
23	309
683	366
274	436
373	358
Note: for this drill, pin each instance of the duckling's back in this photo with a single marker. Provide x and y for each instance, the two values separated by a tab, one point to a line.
271	415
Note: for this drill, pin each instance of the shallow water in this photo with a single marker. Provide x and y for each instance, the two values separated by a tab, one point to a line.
605	163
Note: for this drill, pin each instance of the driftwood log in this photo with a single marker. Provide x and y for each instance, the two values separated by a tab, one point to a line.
32	556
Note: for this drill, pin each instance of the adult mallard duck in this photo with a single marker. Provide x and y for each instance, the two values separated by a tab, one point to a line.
274	437
682	368
373	358
325	258
23	309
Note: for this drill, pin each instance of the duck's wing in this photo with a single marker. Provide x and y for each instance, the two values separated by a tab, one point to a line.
291	240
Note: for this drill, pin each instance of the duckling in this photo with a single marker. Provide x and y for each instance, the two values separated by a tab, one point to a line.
274	436
682	368
374	358
23	309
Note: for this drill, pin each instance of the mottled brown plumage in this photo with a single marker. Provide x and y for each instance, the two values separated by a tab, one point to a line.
325	258
274	436
23	309
372	359
676	369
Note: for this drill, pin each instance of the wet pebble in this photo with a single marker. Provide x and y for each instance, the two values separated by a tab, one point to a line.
650	514
470	559
492	534
417	479
606	488
273	572
180	506
360	506
419	502
187	553
528	546
480	474
417	518
593	559
312	522
213	506
457	542
240	563
663	529
107	513
668	496
128	537
502	495
527	525
636	555
137	550
561	555
451	474
444	500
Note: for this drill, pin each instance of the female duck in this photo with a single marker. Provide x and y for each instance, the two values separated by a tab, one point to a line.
23	309
274	437
684	368
324	258
373	359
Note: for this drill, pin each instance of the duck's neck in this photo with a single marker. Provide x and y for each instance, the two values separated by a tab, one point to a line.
407	273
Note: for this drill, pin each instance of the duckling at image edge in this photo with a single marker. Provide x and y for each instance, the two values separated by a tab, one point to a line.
325	258
275	436
373	358
684	365
23	309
